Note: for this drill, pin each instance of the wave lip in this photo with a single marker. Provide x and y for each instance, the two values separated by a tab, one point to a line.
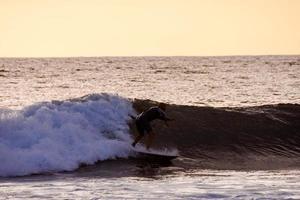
60	136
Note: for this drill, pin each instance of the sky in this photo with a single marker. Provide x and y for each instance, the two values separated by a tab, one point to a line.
66	28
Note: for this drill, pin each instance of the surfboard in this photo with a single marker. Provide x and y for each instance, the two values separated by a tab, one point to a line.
156	153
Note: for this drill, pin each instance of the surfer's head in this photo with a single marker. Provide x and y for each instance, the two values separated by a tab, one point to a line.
162	106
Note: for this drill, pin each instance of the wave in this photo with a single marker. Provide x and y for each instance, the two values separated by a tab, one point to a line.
62	135
261	137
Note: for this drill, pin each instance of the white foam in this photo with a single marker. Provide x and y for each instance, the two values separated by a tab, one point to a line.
59	136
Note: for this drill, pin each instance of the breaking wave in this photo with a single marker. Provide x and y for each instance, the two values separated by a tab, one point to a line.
60	136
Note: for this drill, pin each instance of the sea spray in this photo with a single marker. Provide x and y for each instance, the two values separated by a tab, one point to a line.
59	136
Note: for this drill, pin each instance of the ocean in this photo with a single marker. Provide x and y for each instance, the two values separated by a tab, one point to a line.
66	130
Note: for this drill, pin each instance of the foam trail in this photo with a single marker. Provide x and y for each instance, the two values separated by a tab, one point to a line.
59	136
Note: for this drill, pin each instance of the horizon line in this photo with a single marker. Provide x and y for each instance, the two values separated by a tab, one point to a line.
235	55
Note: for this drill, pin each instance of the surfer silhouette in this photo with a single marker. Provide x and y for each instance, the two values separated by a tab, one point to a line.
143	125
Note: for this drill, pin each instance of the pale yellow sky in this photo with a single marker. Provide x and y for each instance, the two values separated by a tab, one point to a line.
51	28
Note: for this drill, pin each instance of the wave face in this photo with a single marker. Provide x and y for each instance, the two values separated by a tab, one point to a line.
60	136
262	137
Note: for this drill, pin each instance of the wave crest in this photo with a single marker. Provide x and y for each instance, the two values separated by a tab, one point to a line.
59	136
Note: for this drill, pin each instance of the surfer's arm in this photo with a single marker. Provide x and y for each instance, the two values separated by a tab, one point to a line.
163	116
132	117
167	120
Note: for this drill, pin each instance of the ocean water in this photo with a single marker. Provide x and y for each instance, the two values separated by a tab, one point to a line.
204	184
211	81
65	128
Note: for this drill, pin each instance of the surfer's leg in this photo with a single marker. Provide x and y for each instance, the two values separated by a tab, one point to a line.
141	130
137	139
150	139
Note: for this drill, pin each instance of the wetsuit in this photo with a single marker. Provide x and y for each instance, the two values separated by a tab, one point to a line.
143	120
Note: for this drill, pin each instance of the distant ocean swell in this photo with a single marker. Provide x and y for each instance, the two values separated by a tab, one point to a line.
62	135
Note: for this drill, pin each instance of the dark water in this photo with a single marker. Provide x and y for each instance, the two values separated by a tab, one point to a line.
233	138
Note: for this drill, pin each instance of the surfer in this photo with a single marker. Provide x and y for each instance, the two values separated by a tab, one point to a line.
143	125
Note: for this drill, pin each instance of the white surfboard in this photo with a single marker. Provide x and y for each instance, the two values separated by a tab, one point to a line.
155	153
